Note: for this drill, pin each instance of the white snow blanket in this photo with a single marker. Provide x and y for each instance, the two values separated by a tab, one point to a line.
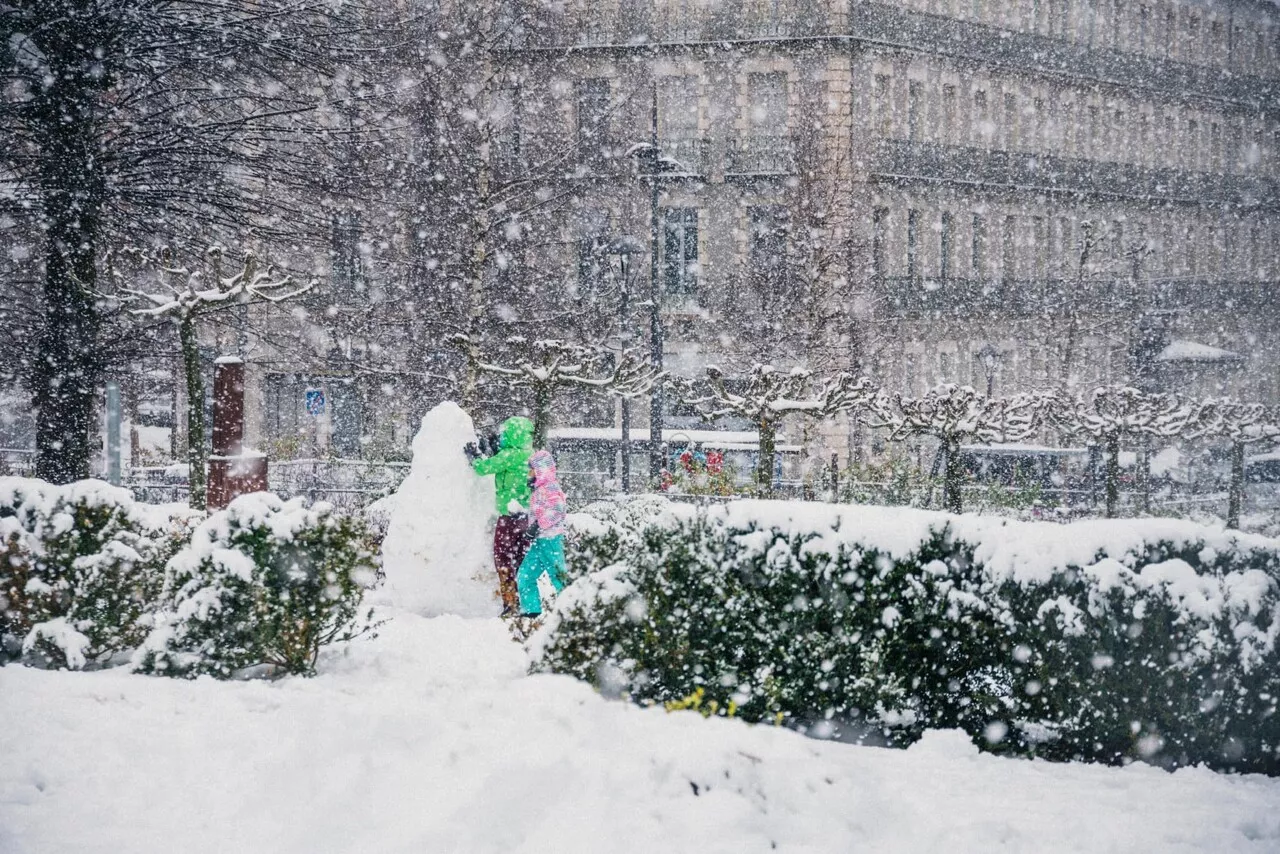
438	550
431	738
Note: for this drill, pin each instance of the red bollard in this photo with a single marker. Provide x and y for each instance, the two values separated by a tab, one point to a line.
232	471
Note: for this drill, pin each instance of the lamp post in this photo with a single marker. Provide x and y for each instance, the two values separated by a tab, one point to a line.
624	247
990	358
653	165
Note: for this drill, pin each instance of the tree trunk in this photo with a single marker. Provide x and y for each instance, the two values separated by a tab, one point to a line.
470	397
196	456
1144	475
476	298
66	374
764	467
1113	474
953	476
1235	496
542	394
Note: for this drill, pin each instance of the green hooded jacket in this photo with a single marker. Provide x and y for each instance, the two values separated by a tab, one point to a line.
510	466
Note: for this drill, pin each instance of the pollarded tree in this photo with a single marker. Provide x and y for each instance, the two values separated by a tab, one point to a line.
185	299
1112	413
770	395
548	365
954	415
1242	424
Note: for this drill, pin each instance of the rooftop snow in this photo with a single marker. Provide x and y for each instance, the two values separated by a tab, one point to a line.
1193	351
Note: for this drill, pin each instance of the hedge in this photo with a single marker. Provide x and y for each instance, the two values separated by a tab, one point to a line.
1103	640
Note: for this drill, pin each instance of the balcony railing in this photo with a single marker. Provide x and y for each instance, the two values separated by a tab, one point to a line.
761	156
1025	52
896	160
690	156
1028	297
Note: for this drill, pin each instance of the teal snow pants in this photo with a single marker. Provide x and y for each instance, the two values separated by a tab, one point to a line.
545	555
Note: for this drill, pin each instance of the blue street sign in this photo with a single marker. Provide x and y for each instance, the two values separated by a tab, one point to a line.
315	402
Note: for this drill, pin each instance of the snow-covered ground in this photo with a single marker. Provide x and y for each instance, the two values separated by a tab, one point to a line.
430	738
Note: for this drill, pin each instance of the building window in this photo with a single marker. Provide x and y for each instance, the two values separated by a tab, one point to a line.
883	107
981	120
593	118
593	248
767	95
1040	236
1008	251
1010	121
508	144
948	113
979	249
915	110
346	262
680	251
678	108
913	244
768	252
945	237
879	238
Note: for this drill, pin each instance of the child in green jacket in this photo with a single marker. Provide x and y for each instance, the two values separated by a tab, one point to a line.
510	470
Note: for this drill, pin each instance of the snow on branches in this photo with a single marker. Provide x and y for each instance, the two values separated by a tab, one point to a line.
769	395
184	299
545	365
188	296
1112	413
955	414
1241	424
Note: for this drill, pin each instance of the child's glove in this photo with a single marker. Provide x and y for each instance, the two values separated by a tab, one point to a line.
531	532
472	452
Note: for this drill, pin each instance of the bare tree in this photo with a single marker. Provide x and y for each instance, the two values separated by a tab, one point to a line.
1112	413
141	117
187	298
955	415
769	396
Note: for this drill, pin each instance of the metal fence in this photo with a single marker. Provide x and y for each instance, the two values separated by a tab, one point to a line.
350	484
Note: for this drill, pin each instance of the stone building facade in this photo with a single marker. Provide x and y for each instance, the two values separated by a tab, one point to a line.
1011	194
1070	185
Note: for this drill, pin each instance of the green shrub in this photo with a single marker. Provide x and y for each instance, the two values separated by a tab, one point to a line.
263	586
81	566
1105	641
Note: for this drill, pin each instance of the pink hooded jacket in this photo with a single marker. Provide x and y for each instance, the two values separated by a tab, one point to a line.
547	503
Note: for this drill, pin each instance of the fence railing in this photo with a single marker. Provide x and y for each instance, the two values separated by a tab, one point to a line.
354	484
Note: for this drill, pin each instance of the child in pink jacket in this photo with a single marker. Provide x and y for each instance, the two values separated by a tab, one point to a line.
548	506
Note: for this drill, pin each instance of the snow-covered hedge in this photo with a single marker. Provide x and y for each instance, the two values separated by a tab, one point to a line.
81	566
1100	640
263	584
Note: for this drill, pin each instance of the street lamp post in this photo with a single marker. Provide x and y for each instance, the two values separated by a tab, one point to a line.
625	246
656	166
990	358
656	338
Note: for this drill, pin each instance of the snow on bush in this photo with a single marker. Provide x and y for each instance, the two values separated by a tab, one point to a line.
263	585
80	569
1100	640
